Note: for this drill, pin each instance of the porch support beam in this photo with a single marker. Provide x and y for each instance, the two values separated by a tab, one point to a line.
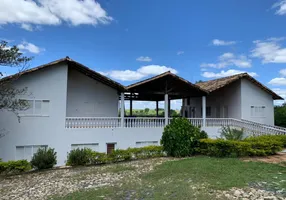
157	108
204	110
131	113
122	110
166	109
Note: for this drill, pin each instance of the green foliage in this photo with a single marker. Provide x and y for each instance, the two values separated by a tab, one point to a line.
279	138
147	112
44	159
280	115
180	138
231	133
14	167
79	157
253	146
86	156
203	135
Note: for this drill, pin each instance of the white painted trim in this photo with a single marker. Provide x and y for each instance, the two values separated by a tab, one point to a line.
166	109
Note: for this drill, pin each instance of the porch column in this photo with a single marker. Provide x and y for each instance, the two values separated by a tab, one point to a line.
157	108
166	109
130	107
122	110
204	110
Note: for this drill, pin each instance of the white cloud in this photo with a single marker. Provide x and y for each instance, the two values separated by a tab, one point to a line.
52	12
225	73
27	27
281	93
144	59
142	72
26	46
281	7
155	70
229	59
283	72
217	42
270	51
277	81
180	53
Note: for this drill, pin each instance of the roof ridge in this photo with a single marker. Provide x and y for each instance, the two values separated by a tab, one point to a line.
226	77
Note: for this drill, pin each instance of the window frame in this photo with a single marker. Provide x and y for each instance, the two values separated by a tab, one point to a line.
253	114
32	150
146	142
33	114
82	144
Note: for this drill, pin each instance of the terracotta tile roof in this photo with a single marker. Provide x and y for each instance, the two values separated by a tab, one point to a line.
216	84
78	66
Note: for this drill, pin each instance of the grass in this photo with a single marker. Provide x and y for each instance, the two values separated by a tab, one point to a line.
193	178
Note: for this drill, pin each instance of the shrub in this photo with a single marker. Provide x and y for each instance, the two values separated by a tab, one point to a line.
203	135
231	133
14	167
79	157
180	138
44	159
88	157
279	138
258	146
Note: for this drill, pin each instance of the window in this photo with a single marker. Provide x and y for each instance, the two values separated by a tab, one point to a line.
93	146
257	111
36	107
27	152
146	143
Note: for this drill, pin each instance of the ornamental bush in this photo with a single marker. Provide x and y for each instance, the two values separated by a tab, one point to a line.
86	156
14	167
231	133
79	156
44	159
253	146
180	138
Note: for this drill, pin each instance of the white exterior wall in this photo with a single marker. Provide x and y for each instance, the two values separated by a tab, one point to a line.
51	84
229	96
252	95
87	97
48	84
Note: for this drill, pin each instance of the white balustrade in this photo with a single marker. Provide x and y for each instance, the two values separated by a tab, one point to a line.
92	122
144	122
251	128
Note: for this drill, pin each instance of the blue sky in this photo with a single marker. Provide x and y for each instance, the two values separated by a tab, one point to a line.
131	40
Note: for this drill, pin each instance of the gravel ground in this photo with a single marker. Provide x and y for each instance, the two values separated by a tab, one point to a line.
43	185
63	181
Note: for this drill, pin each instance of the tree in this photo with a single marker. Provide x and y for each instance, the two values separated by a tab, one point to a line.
11	57
280	115
146	110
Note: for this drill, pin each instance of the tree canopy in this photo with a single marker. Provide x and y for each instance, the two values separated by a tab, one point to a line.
10	56
280	115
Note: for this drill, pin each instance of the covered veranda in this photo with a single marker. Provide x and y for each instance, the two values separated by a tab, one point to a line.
164	87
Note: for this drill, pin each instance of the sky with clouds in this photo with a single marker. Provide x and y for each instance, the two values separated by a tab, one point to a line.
132	40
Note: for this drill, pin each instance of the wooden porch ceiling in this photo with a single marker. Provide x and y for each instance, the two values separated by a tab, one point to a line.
155	88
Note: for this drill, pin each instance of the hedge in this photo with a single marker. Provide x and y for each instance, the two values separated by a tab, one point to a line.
86	156
253	146
14	167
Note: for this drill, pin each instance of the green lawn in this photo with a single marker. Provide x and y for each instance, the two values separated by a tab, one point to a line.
193	178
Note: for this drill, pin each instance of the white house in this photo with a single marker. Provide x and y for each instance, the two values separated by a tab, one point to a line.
72	106
238	96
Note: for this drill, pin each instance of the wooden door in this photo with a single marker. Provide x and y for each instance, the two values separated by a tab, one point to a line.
110	147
